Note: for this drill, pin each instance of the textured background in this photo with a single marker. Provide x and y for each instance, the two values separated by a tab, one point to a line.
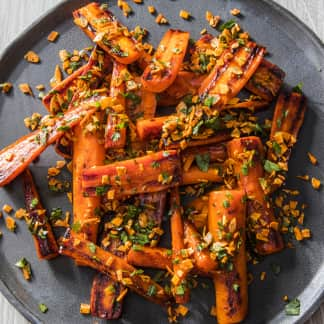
15	15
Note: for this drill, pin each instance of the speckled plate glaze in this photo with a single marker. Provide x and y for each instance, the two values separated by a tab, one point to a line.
60	284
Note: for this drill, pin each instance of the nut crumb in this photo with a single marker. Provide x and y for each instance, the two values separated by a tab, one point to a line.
32	57
52	37
235	12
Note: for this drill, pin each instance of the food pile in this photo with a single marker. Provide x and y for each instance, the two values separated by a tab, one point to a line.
132	163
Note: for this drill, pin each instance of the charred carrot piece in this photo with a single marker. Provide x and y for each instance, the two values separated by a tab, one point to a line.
266	81
148	129
186	83
150	257
86	77
147	174
204	264
234	69
117	268
104	29
181	266
106	297
263	227
195	175
166	62
15	158
87	152
287	120
226	223
44	239
116	131
117	83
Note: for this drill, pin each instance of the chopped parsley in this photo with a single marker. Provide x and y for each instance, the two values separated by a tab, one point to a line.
298	88
226	203
76	227
271	166
92	247
115	136
151	291
133	97
33	203
43	308
236	287
203	161
228	25
293	307
101	190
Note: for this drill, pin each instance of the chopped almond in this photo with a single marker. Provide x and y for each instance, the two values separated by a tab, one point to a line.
11	224
5	87
182	310
263	276
52	37
161	20
138	1
32	57
151	9
212	20
7	208
125	7
235	12
84	308
298	234
25	89
57	77
203	31
40	87
316	183
312	158
184	14
306	233
21	213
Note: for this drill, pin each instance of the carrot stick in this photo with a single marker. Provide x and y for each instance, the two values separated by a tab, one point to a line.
222	83
116	131
266	81
226	223
263	228
195	175
150	257
150	173
166	62
181	266
106	297
204	264
117	268
44	239
15	158
148	129
104	29
87	152
117	83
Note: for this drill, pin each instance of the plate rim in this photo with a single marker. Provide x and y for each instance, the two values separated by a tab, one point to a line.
311	35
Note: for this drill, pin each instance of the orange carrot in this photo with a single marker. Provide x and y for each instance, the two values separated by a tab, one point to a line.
116	131
87	152
263	227
195	175
44	239
226	80
150	257
226	223
117	268
105	30
148	129
166	62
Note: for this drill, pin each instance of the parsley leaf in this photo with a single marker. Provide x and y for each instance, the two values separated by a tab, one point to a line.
271	166
293	307
203	161
228	24
43	308
298	88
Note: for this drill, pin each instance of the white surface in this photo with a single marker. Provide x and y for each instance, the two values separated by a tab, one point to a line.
15	15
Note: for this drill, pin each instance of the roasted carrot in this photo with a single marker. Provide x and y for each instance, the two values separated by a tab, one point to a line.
44	239
195	175
150	173
104	29
266	81
226	223
148	129
234	69
204	264
150	257
263	227
197	212
181	265
88	151
117	268
166	62
117	83
106	297
15	158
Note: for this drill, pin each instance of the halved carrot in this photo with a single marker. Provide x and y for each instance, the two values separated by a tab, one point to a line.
181	266
88	151
103	28
266	81
226	223
150	173
232	71
15	158
117	268
166	62
204	264
44	239
263	227
195	175
148	129
150	257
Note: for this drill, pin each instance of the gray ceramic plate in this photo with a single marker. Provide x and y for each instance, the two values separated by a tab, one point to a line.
61	285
